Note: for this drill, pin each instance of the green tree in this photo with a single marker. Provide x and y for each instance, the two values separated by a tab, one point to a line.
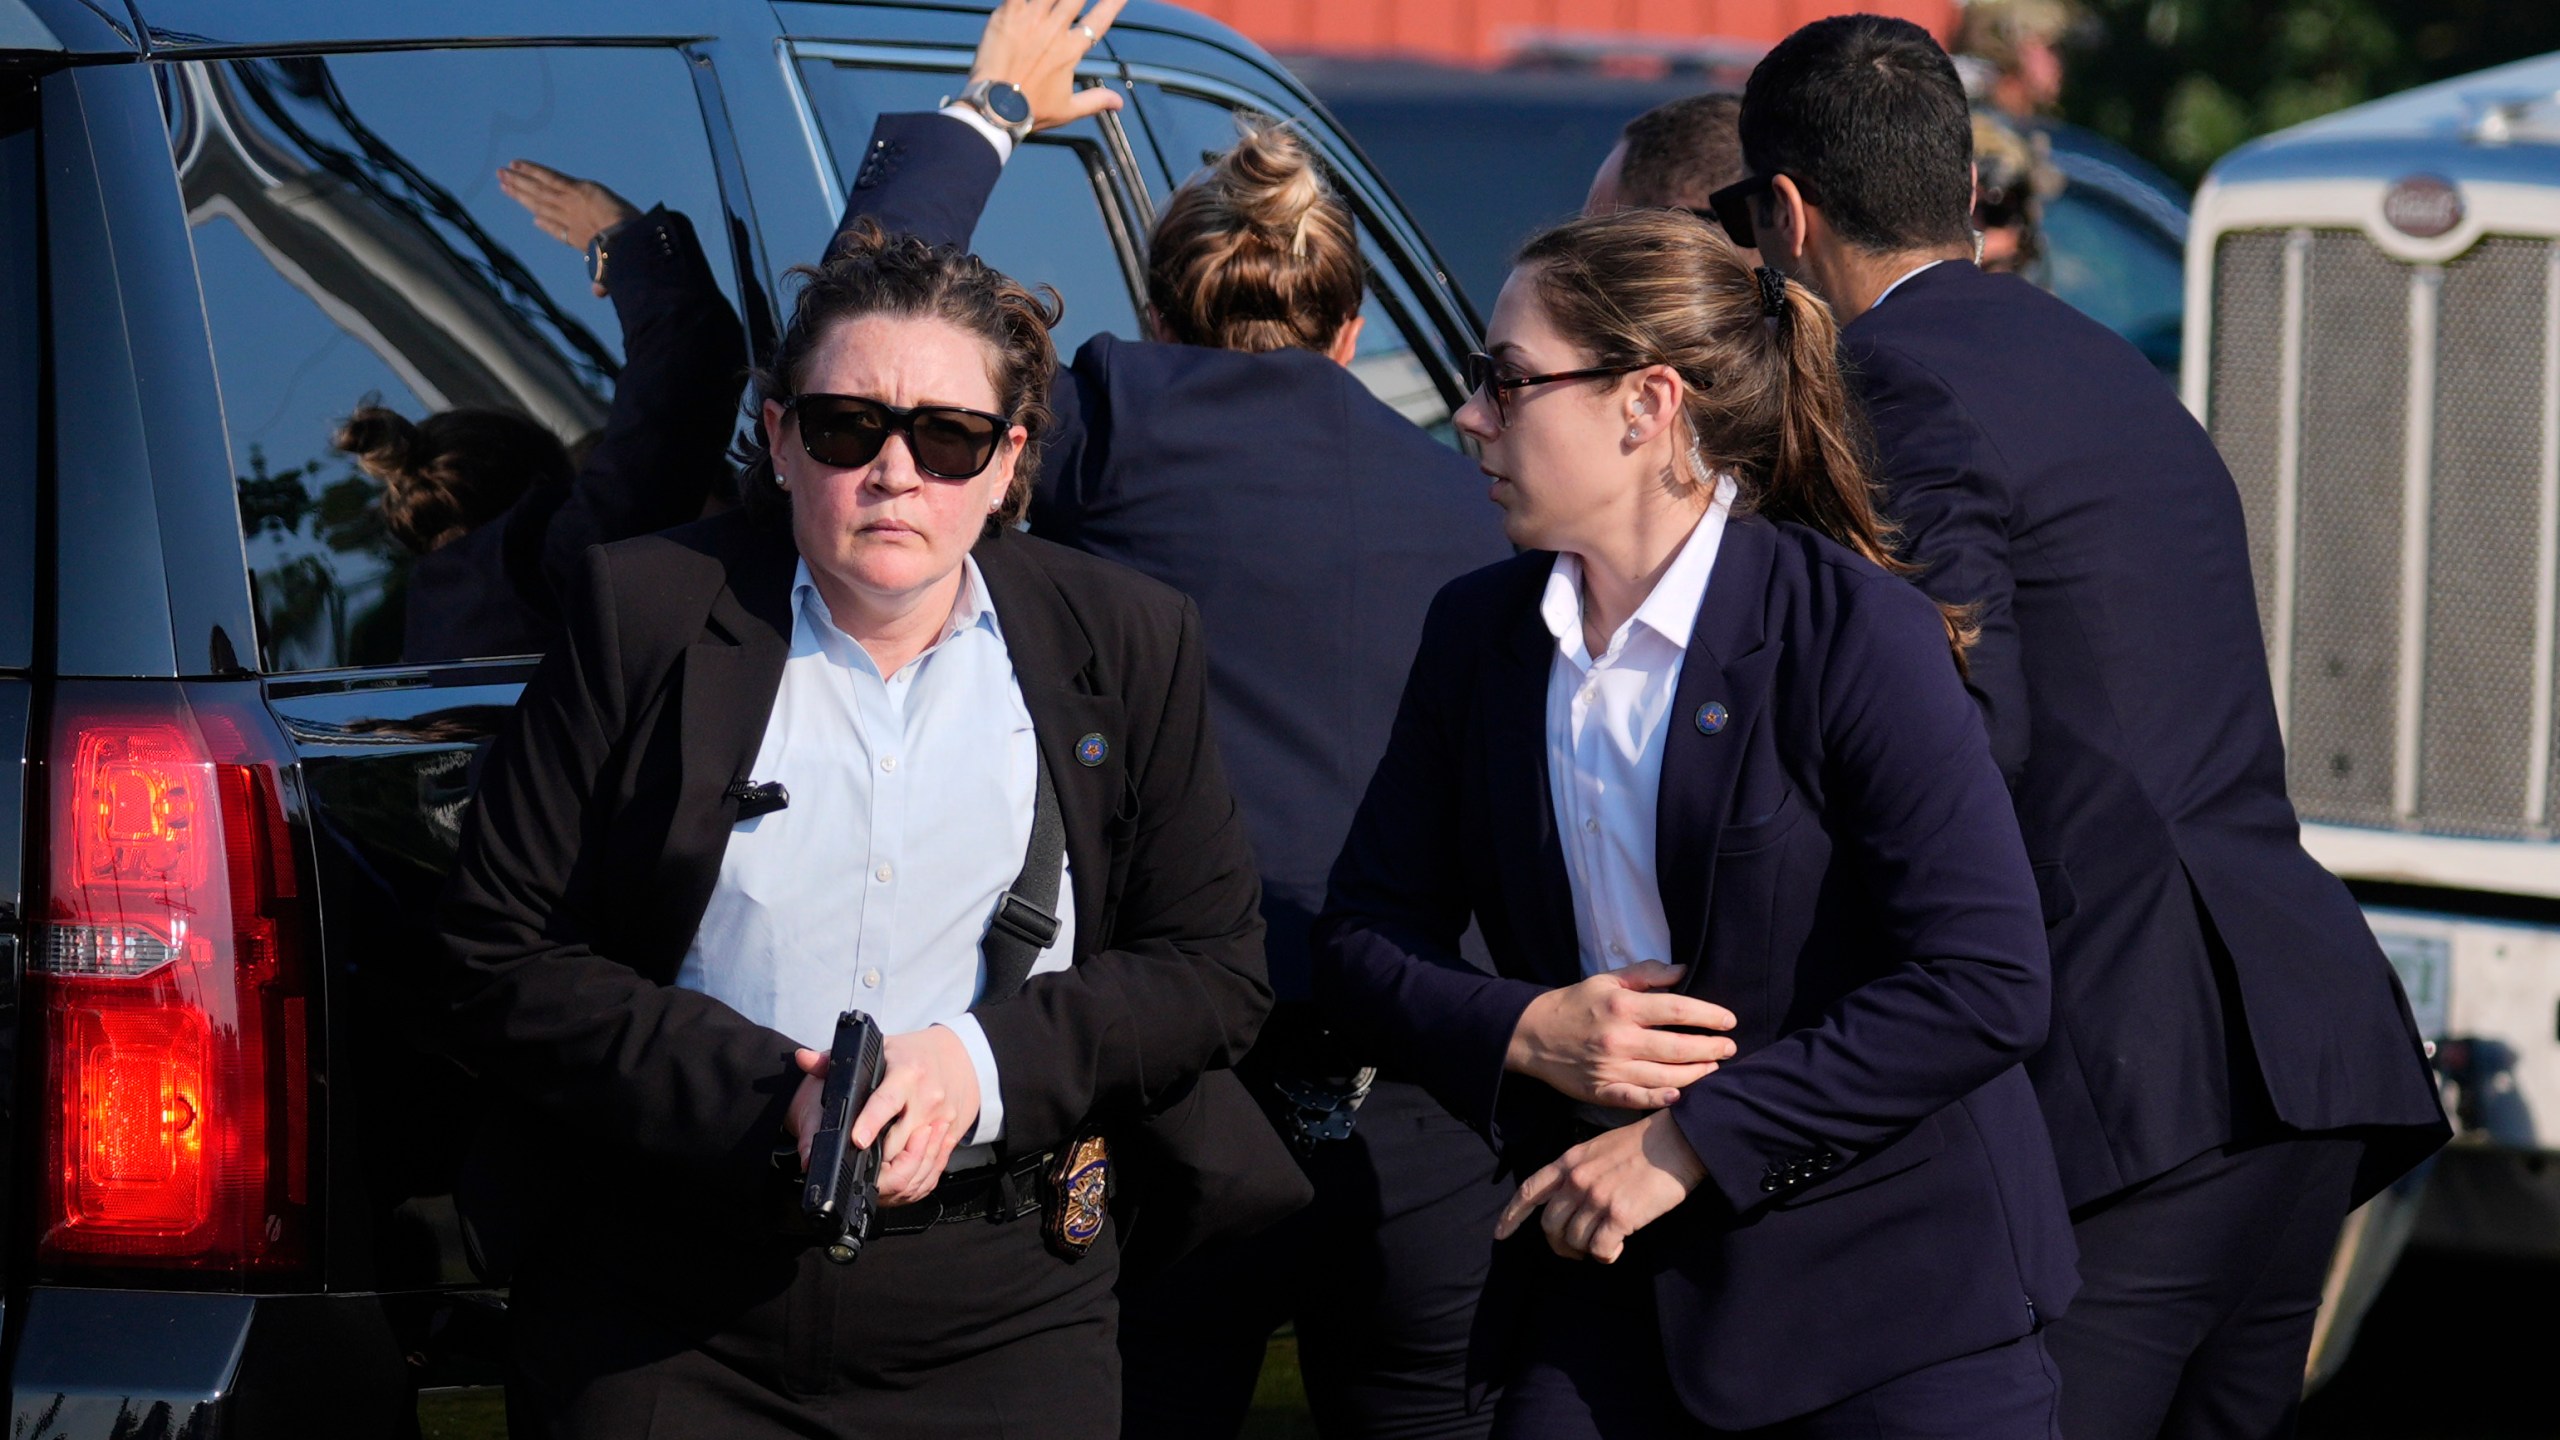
2183	81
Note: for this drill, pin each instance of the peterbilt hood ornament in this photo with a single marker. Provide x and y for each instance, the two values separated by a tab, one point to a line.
2422	207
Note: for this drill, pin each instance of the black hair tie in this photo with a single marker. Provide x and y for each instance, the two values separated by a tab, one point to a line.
1773	291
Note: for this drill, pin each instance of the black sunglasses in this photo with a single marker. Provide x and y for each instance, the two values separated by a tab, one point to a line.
847	431
1484	374
1730	207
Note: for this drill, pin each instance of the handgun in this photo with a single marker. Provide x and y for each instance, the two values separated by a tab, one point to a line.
843	1189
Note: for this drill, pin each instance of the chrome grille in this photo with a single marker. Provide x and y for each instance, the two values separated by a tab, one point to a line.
2248	383
2399	557
2474	730
2347	534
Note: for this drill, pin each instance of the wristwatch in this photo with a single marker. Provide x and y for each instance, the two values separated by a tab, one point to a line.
597	251
1003	103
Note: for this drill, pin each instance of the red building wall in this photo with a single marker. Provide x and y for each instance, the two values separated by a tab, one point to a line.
1483	30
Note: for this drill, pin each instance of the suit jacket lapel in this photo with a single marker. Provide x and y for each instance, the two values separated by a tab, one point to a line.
1520	807
1052	657
725	688
1729	666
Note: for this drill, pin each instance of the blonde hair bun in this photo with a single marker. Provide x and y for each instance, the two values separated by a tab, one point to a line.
1257	252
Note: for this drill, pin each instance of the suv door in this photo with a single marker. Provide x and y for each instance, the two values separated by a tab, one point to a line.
353	246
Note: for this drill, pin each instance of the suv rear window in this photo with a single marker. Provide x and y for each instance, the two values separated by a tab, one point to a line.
21	362
355	247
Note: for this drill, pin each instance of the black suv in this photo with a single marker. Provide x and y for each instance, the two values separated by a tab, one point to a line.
223	226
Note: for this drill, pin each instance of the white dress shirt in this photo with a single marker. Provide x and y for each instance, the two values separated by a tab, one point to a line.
911	804
1606	724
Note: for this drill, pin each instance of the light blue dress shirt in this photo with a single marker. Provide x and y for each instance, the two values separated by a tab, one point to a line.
911	804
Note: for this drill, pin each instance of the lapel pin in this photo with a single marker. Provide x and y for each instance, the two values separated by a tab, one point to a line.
1711	717
1091	749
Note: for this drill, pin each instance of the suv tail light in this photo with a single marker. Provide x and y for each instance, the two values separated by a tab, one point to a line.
171	986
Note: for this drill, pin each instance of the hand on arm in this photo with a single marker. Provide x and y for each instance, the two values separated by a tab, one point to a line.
927	1102
1607	1040
1607	1188
1035	46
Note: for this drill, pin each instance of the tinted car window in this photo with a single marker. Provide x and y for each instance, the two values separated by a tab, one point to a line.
1191	131
1049	221
2117	269
21	357
354	245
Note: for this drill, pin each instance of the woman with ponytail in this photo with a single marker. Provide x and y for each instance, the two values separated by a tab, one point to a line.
1233	455
1768	956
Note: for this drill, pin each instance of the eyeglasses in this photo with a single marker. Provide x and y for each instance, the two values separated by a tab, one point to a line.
846	431
1484	375
1730	207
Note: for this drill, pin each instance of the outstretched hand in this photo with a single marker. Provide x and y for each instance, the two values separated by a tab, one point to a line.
1035	46
566	208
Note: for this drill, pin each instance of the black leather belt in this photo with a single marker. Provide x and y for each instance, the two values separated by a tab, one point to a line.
992	1193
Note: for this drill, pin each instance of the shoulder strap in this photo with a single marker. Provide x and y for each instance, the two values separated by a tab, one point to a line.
1026	920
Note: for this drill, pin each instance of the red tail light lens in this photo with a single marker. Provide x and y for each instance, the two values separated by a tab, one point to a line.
172	990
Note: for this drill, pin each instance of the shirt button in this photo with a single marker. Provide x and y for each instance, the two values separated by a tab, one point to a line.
881	874
1590	827
1617	949
888	762
870	979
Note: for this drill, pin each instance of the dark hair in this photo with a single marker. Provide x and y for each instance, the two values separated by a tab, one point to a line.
1765	402
453	472
1867	116
1681	152
1256	253
871	272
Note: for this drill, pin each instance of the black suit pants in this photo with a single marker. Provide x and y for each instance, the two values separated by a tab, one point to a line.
1380	1275
2198	1290
967	1331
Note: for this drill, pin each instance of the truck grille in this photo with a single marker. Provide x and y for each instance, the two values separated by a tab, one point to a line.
2390	428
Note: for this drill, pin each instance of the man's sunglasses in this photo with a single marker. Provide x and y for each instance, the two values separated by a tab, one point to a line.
847	431
1730	207
1484	374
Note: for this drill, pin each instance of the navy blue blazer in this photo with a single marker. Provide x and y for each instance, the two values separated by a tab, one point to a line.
1841	868
2043	471
1309	522
663	451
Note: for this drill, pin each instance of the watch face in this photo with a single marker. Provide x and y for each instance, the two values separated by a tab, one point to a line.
1008	104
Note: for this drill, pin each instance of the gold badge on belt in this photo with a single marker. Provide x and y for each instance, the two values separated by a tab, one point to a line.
1079	1198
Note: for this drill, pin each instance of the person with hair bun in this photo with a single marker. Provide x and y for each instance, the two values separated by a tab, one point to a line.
1234	456
859	745
1768	954
496	507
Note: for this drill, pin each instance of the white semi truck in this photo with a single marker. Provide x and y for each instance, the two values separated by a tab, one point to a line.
2373	337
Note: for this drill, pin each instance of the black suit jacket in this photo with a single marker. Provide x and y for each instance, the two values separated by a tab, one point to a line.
2042	471
603	815
662	452
1840	867
1309	522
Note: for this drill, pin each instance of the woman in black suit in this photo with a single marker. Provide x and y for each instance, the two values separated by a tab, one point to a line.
788	761
1234	455
1702	768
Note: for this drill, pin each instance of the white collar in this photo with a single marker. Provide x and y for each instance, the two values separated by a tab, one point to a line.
1670	610
1905	280
971	606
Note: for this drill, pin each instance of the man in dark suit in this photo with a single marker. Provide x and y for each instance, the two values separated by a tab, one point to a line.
2231	1065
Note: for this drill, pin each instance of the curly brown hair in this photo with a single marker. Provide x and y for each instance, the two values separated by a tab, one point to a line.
871	272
